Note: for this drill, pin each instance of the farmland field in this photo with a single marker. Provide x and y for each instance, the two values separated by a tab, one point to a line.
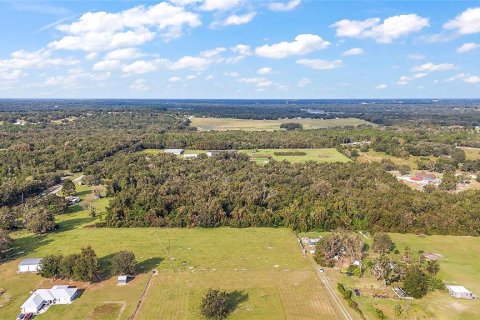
264	155
317	155
224	124
263	267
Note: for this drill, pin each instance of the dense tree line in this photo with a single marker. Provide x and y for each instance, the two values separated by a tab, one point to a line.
161	190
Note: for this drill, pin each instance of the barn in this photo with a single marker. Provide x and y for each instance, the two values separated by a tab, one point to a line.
460	292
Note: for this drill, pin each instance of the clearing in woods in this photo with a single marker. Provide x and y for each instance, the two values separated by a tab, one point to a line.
292	155
224	124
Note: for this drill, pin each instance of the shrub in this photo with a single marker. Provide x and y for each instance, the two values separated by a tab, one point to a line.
416	282
214	304
124	263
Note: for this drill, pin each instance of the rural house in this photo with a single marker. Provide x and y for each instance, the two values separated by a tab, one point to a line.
30	265
42	299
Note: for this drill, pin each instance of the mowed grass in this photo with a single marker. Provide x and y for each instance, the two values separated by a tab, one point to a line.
262	267
264	155
317	155
224	124
472	153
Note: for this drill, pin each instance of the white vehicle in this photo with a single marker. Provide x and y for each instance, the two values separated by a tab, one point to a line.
321	270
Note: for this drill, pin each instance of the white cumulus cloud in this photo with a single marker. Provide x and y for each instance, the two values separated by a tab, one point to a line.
235	20
432	67
284	6
106	65
303	44
101	31
467	47
353	52
264	70
390	29
472	79
320	64
468	22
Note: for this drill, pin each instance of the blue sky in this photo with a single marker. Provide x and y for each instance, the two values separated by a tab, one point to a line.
239	49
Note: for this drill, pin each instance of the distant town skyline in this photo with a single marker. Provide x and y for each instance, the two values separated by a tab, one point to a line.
240	49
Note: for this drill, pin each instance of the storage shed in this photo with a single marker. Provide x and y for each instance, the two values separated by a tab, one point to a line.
30	265
460	292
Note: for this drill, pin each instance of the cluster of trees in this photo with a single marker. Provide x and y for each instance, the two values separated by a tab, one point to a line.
85	266
290	126
418	276
230	190
338	247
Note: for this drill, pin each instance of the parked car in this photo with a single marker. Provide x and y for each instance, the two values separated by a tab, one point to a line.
321	270
28	316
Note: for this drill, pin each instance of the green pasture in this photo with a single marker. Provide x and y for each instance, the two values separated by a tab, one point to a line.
225	124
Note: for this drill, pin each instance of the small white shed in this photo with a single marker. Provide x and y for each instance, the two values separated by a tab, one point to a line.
122	280
30	265
460	292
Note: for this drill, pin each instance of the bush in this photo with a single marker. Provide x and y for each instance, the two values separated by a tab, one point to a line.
214	304
416	282
289	126
380	314
51	266
382	243
87	266
66	266
124	263
289	153
39	220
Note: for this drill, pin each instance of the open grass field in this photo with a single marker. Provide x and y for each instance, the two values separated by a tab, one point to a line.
264	269
224	124
317	155
472	153
262	156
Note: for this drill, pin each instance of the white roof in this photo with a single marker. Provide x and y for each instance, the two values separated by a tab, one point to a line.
458	289
173	150
31	262
57	292
33	302
122	278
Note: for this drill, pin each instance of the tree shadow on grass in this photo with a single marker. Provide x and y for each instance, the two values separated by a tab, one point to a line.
235	298
106	266
75	208
148	265
26	246
71	224
83	193
142	267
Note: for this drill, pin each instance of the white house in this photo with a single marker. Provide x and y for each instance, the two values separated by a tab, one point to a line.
41	299
30	265
460	292
176	152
